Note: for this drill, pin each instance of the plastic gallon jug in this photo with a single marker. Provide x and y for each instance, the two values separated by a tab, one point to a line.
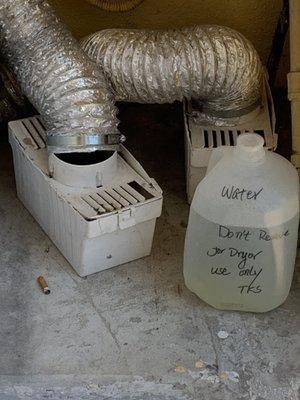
241	239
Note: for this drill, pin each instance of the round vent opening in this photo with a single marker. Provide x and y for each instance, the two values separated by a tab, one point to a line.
85	158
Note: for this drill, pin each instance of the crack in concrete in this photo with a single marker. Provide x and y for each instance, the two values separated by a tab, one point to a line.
212	340
102	318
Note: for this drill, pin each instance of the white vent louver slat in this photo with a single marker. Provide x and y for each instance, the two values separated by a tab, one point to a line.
112	199
35	133
211	138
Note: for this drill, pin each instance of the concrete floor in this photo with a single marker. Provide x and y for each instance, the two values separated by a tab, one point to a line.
135	331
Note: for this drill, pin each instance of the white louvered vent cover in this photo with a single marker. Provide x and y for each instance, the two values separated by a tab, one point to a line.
36	130
211	138
111	199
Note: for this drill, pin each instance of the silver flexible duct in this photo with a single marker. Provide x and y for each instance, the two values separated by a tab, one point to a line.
69	91
213	64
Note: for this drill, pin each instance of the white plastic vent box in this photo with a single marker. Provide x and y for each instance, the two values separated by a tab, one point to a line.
200	139
94	228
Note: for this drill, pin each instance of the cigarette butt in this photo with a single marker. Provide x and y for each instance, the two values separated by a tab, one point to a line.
43	284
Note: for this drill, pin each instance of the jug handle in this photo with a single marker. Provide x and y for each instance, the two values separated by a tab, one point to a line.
216	155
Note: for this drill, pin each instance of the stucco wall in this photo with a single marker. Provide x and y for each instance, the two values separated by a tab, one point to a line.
256	19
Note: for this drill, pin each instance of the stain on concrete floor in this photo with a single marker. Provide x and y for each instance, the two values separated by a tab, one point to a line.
134	331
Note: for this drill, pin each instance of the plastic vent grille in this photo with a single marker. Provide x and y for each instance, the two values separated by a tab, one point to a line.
211	138
112	199
35	129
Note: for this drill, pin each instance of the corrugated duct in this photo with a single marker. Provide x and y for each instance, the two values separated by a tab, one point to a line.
115	5
71	93
213	64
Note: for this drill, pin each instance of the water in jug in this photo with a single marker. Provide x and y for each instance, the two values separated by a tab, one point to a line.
241	239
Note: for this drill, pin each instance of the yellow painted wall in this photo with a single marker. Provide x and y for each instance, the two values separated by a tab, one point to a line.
256	19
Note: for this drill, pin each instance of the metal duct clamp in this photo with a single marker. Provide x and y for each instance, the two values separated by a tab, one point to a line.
84	141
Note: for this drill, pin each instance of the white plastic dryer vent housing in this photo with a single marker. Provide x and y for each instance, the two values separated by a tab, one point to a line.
200	139
99	215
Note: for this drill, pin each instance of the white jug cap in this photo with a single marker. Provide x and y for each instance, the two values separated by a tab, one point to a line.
250	147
